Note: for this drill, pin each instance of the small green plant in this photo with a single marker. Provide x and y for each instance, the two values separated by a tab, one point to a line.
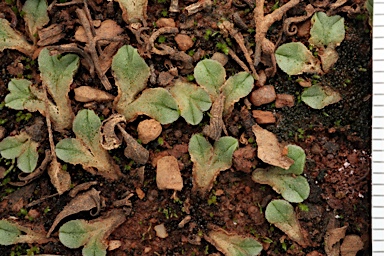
326	34
209	161
318	96
92	235
293	188
57	74
281	214
233	244
35	15
13	233
223	47
23	148
86	149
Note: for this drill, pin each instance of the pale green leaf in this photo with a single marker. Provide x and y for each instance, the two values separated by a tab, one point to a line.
234	245
11	147
235	88
369	6
192	101
27	161
297	154
19	93
208	161
95	247
327	31
12	39
318	96
293	189
57	73
74	233
156	103
295	58
36	16
210	74
86	126
9	233
131	74
74	152
281	214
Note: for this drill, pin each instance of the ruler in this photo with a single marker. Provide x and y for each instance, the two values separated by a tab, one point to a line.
378	130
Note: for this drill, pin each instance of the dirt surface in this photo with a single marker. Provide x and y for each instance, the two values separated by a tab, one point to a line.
336	139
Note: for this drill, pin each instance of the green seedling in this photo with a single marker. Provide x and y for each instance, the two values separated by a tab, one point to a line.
192	101
326	34
293	188
92	235
35	16
131	74
86	149
233	244
12	39
369	6
57	75
23	148
281	214
318	96
210	75
209	161
13	233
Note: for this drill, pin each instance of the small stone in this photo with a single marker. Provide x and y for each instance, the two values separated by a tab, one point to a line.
220	57
165	22
147	249
114	244
34	214
184	42
161	231
149	130
2	132
263	95
88	94
140	193
263	117
284	100
168	174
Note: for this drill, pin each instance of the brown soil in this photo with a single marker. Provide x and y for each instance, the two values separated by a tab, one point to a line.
336	141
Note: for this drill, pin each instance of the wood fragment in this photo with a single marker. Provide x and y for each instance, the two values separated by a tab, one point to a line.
216	124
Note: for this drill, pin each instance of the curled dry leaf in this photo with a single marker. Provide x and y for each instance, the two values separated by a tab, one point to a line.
332	238
108	139
148	130
60	179
269	149
216	124
134	150
83	202
87	94
168	174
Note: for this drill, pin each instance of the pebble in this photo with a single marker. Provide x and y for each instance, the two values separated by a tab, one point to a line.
184	42
263	95
165	22
161	231
263	117
284	100
168	174
148	130
220	57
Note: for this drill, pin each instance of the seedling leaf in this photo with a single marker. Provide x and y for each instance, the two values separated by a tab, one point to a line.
208	161
297	154
293	189
19	93
318	96
232	244
36	16
22	147
11	233
12	39
210	74
92	235
192	101
157	103
235	88
131	74
327	31
86	149
295	58
281	214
